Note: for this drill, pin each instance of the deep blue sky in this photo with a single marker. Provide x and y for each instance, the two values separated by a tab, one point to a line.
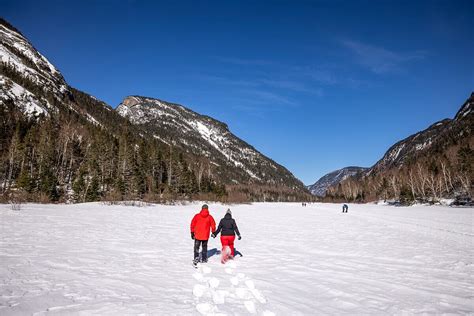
315	85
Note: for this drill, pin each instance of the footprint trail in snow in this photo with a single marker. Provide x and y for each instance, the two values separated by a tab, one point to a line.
222	291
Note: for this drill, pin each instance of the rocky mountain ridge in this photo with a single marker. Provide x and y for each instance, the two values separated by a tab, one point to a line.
236	161
433	163
154	148
333	178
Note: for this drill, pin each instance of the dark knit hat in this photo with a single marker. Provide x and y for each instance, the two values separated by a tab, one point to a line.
205	207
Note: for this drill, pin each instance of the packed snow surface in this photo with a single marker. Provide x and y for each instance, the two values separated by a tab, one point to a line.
116	260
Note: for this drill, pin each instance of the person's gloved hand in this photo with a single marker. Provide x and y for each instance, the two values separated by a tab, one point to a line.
213	235
192	235
239	238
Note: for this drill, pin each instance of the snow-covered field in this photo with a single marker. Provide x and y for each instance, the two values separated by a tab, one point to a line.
98	259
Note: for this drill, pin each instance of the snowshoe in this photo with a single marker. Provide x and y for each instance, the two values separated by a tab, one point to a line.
226	255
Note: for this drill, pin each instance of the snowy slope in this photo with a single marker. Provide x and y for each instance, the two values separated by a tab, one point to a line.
17	52
433	140
27	102
333	178
440	142
31	83
116	260
204	136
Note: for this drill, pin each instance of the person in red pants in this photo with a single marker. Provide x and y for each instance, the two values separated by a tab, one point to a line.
228	229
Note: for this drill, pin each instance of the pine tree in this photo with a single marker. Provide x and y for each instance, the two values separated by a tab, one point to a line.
24	181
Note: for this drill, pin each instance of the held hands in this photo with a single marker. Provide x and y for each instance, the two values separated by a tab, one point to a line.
192	235
213	235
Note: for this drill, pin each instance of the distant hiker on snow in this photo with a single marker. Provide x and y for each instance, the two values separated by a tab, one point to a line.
200	226
345	208
229	229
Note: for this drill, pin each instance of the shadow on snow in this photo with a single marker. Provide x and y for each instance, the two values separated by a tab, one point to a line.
215	251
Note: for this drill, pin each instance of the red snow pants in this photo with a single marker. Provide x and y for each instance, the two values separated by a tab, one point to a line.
228	241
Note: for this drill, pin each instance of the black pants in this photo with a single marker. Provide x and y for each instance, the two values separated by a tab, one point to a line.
197	244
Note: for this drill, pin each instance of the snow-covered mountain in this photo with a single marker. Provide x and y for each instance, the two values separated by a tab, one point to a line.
431	164
76	131
435	139
19	57
333	178
34	85
200	135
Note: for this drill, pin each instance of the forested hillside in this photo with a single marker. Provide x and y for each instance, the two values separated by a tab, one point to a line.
60	144
428	166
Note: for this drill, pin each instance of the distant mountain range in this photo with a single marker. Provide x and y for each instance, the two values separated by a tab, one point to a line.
59	143
433	163
145	147
333	178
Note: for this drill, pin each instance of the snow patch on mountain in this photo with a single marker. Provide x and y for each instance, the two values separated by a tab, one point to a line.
221	143
161	139
394	153
423	145
26	101
91	119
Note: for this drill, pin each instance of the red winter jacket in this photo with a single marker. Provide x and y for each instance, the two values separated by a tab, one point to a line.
201	224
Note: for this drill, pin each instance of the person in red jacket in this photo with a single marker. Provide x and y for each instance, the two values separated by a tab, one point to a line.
200	226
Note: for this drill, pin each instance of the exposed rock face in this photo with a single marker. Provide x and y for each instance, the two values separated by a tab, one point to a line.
201	135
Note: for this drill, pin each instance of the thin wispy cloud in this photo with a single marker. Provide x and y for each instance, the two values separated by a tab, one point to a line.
297	78
228	81
324	76
381	60
358	83
265	83
292	85
278	84
256	91
243	61
270	97
250	108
